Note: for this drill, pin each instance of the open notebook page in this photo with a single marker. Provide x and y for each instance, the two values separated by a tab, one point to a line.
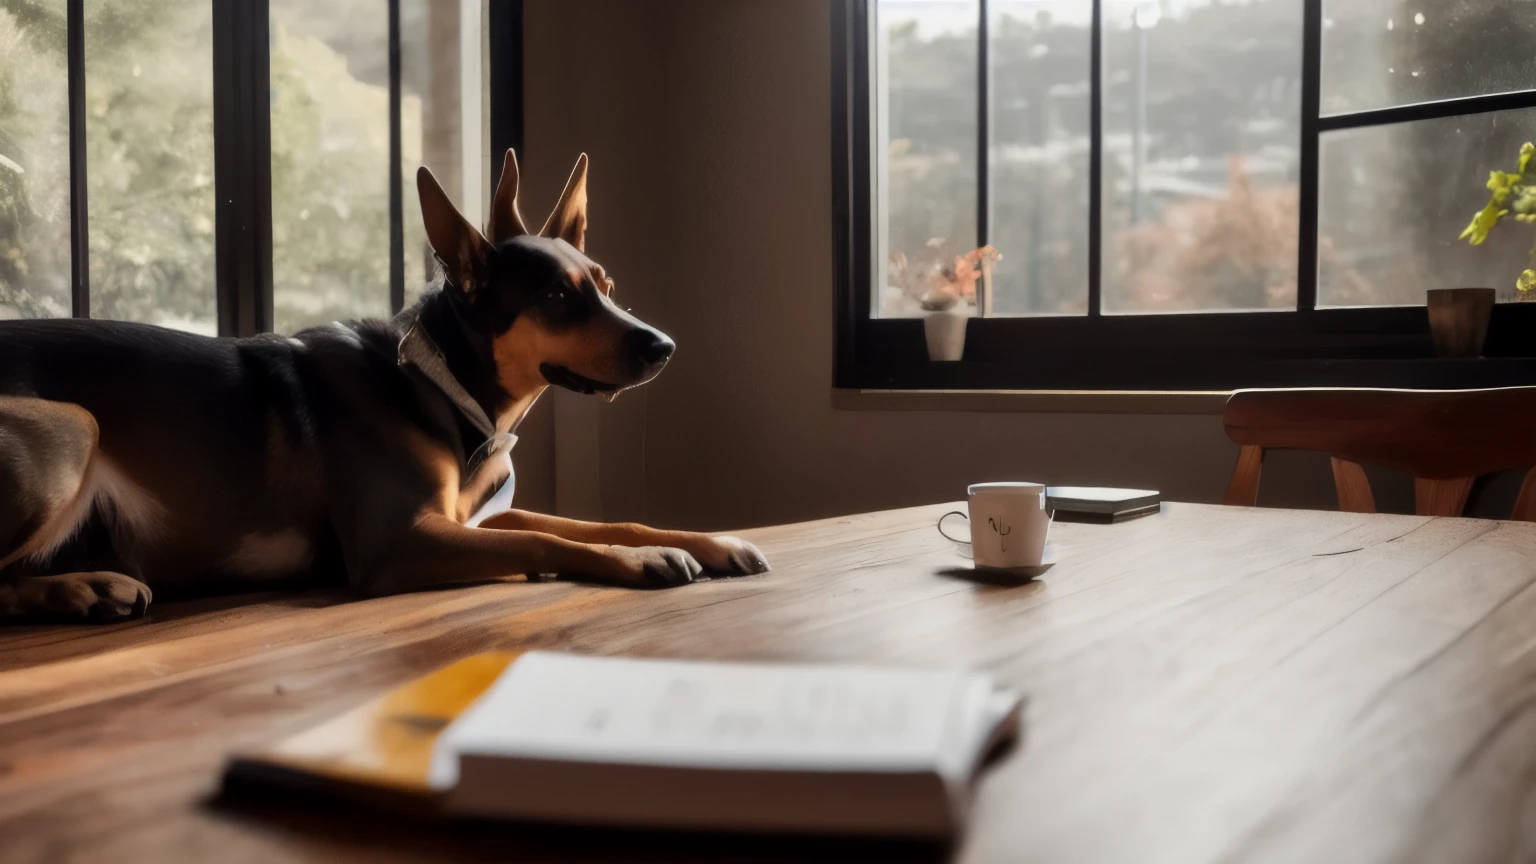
718	715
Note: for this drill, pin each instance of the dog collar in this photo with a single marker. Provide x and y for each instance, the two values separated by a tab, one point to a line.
417	349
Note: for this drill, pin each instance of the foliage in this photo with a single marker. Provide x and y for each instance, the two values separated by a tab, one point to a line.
150	178
330	193
34	238
1513	192
149	152
1238	251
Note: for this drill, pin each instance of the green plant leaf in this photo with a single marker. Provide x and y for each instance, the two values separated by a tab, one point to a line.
1477	232
1501	183
1525	199
1527	150
1527	282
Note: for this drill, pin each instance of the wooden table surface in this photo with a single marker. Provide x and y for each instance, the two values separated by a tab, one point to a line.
1209	684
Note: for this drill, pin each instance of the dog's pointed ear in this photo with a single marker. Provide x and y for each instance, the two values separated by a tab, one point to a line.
506	222
569	221
462	250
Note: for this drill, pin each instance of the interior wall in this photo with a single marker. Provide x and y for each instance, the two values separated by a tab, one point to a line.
708	124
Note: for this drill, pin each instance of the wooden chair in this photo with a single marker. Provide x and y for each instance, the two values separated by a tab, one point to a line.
1444	438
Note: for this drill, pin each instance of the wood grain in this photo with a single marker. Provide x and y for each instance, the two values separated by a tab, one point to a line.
1438	434
1458	320
1525	503
1441	497
1354	488
1243	490
1208	684
1453	436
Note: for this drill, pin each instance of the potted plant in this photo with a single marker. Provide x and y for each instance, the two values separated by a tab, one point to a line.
945	289
1458	317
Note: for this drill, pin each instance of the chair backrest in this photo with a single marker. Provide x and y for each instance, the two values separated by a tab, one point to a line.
1444	438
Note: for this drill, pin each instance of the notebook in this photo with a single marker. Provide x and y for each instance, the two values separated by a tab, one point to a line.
662	744
1099	504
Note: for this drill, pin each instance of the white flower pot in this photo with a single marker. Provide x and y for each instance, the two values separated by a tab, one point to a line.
946	335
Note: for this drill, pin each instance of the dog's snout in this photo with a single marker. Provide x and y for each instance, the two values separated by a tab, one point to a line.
651	347
658	351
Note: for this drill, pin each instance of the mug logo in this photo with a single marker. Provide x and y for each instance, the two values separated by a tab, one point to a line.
1001	531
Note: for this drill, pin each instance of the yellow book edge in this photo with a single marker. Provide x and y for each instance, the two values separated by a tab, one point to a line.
380	752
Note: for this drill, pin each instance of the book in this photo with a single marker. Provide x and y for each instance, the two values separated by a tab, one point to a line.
661	744
1099	504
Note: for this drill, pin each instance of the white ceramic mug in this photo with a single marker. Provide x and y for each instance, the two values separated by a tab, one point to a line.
1009	524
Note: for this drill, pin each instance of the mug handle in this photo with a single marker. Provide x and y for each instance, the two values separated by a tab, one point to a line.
941	526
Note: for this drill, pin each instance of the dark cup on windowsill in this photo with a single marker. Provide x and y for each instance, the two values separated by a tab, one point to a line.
1458	320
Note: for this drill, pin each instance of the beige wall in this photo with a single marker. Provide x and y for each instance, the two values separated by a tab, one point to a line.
708	124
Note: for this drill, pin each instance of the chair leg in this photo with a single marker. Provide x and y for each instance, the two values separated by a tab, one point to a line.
1525	505
1353	487
1441	497
1243	491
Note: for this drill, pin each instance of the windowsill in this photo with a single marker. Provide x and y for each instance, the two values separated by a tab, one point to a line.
1179	402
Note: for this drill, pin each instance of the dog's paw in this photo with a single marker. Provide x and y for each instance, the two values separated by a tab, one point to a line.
101	597
656	566
730	556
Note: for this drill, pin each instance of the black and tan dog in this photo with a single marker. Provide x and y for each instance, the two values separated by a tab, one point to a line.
135	458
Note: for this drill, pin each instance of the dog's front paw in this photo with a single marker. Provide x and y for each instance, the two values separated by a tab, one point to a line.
655	566
730	556
87	596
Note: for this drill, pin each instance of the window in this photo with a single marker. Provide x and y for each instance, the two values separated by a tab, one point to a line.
444	118
330	161
149	162
231	166
1182	194
34	165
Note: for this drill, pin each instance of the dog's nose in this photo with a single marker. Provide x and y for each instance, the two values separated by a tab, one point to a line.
653	348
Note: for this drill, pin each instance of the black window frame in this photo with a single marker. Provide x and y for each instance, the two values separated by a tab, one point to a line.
242	151
1198	351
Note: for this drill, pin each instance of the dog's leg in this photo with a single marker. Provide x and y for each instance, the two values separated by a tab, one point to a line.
439	551
719	555
46	451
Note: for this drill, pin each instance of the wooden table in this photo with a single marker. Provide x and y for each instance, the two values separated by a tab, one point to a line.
1210	684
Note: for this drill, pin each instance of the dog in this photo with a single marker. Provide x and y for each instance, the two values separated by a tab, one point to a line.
136	459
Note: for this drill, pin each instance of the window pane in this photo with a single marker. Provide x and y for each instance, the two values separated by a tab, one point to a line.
1040	117
1394	199
1379	53
1201	143
924	108
149	171
442	112
34	163
330	161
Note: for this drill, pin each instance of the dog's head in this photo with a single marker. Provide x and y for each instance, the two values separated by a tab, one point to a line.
548	307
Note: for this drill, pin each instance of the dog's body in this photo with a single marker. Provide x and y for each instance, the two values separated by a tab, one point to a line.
135	458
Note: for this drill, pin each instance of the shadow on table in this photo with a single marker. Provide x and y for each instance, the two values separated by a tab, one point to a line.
27	642
1017	578
336	826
